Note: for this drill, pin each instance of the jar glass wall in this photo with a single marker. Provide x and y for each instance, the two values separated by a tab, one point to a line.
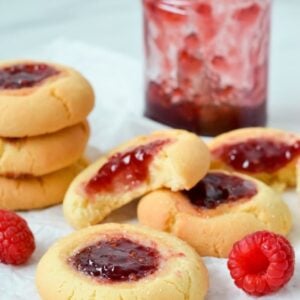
207	63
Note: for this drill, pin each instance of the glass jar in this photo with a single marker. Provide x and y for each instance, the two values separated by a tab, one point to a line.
207	63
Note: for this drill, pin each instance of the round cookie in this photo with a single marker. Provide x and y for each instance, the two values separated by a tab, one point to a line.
37	192
220	210
114	261
41	97
176	159
267	154
298	176
44	154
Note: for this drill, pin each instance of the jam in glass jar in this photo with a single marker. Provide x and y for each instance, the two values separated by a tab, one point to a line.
207	63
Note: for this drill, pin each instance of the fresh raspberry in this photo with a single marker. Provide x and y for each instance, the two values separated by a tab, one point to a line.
261	263
16	239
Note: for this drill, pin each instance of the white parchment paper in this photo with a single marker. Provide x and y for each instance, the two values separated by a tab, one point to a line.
118	83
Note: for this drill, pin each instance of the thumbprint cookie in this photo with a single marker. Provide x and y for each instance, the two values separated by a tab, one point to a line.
220	210
114	261
175	159
41	97
43	154
28	192
267	154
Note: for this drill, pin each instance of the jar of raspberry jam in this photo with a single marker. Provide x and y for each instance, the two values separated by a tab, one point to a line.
207	63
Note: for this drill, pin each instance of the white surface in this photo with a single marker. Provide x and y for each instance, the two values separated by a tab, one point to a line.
114	120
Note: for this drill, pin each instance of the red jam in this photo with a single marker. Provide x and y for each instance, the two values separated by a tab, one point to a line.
258	155
118	259
125	171
217	188
24	75
207	119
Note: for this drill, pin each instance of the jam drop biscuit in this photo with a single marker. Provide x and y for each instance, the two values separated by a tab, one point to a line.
38	98
267	154
175	159
115	261
44	154
298	176
220	210
37	192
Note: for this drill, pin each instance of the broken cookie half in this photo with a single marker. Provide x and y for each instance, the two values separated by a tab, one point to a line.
174	159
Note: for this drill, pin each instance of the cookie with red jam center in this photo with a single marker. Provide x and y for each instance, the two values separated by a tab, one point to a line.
176	159
114	261
221	208
298	177
267	154
41	97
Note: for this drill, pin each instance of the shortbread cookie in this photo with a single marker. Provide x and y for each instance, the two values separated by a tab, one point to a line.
220	210
267	154
298	176
115	261
37	192
38	98
44	154
175	159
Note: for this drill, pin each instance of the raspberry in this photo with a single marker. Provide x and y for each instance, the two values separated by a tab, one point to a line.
16	239
261	263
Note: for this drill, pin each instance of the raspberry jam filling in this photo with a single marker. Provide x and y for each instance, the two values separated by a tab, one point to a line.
175	109
217	188
126	170
258	155
118	259
24	75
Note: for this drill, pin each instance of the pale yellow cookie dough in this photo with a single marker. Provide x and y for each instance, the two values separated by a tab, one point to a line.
37	192
57	102
180	164
280	179
212	232
298	176
181	273
43	154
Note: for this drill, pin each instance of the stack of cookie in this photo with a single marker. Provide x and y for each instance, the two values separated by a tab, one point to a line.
43	132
